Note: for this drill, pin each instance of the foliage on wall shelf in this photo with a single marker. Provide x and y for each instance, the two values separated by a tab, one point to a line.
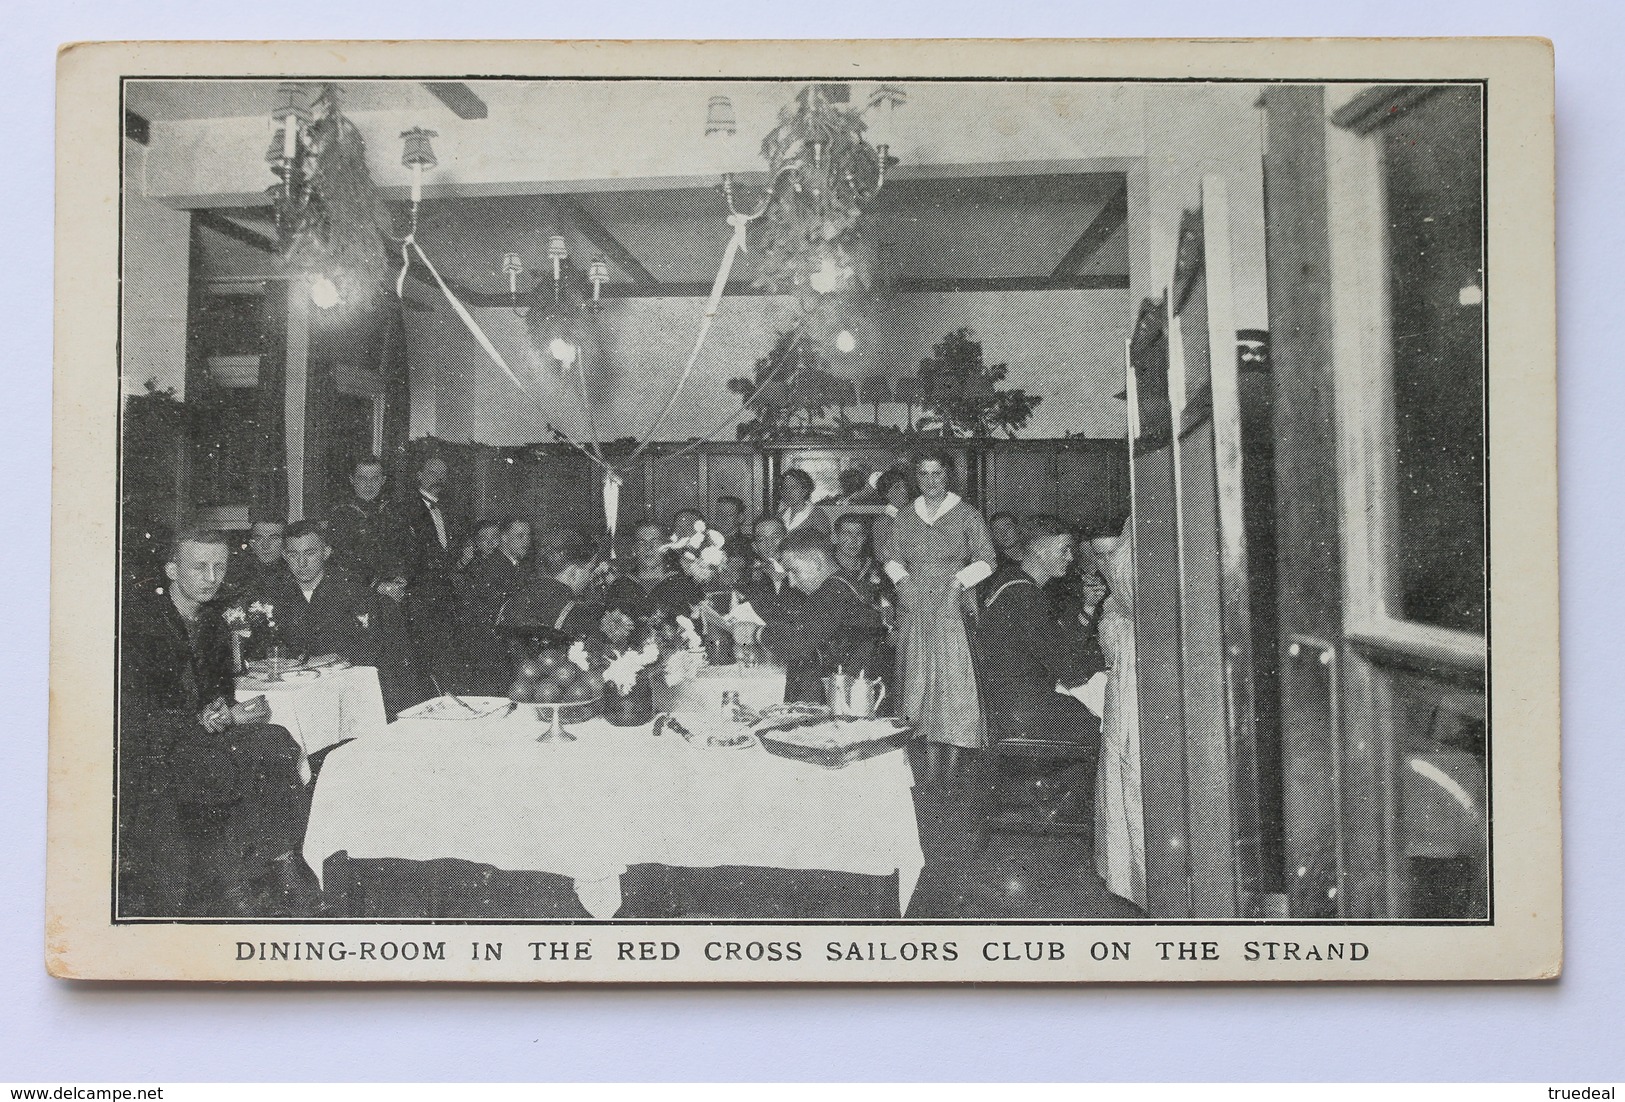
333	222
960	395
793	400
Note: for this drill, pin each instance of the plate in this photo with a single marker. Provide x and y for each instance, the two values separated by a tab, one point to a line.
322	661
256	682
780	712
459	708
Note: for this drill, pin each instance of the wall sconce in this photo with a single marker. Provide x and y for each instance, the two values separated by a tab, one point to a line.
883	103
513	267
597	275
417	155
558	252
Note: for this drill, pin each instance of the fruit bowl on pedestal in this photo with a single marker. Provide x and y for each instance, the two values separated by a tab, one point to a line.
559	690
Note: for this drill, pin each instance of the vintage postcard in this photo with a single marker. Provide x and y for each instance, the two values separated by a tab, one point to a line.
805	511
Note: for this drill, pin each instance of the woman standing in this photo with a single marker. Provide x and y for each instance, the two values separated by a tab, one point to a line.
938	551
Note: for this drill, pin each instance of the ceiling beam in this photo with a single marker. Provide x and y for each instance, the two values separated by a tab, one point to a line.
223	225
593	230
1108	221
744	289
954	284
136	127
459	97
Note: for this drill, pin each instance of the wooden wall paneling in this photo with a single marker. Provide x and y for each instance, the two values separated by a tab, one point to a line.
560	489
1309	571
676	482
733	470
1231	554
1208	774
1158	670
1156	626
1092	485
1255	395
1022	478
1196	340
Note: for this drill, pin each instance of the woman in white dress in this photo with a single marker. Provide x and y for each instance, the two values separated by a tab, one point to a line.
1119	815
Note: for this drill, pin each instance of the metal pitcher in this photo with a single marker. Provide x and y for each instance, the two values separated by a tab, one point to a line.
855	697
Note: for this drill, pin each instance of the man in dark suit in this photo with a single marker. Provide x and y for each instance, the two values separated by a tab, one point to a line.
319	611
365	531
430	559
258	566
832	628
212	809
492	581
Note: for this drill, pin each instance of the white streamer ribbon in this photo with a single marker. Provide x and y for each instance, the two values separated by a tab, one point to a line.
462	312
736	245
612	502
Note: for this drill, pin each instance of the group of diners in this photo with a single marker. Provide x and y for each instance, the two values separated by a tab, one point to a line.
974	625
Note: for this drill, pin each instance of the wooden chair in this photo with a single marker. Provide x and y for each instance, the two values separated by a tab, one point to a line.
1017	752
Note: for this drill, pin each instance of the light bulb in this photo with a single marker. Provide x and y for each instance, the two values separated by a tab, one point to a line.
324	293
828	276
845	341
562	351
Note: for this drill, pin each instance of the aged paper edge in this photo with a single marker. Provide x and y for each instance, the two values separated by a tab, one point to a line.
1525	939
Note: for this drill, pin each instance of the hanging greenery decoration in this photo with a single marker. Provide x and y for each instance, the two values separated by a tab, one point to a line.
810	242
330	221
959	393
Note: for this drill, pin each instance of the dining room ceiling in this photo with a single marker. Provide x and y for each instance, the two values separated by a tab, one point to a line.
942	228
993	232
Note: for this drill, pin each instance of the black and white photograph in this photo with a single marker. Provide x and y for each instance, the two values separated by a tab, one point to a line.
623	517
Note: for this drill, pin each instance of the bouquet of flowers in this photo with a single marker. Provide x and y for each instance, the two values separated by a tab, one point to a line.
254	623
700	551
632	646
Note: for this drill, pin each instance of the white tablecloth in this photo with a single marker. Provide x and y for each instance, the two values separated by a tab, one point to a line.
485	791
320	711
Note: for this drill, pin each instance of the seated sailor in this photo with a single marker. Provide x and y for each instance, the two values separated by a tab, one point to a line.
833	628
552	609
318	611
211	805
1029	653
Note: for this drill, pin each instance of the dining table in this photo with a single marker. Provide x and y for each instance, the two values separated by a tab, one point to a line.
319	706
482	788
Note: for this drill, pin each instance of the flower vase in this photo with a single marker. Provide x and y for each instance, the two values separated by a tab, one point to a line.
635	708
238	667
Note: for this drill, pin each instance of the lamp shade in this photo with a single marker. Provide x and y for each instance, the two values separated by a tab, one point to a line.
720	121
416	151
291	102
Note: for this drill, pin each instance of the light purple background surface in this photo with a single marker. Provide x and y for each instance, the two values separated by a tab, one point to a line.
1563	1032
